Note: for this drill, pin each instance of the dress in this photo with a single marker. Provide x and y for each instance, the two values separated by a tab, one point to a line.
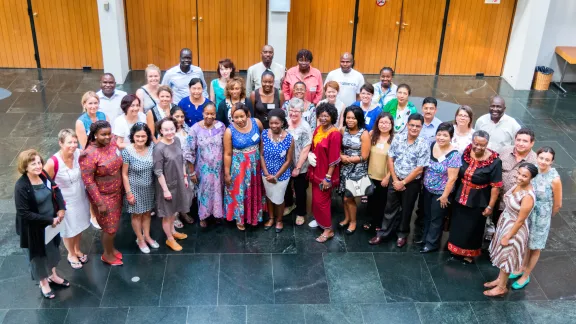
243	198
102	175
352	146
261	109
274	156
510	258
218	92
169	161
141	179
542	212
77	217
205	150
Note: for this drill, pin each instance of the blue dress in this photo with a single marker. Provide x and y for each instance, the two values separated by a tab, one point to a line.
542	212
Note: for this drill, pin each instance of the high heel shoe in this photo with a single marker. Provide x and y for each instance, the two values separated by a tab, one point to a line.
48	295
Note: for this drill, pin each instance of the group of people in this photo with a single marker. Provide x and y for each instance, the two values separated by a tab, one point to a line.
240	151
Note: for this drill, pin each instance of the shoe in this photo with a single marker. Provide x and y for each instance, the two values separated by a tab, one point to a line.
376	240
174	245
118	255
144	249
154	244
349	232
179	236
401	242
116	262
288	210
515	276
65	283
278	230
340	225
428	250
418	240
517	286
83	259
75	265
48	295
186	218
267	227
178	223
94	223
313	224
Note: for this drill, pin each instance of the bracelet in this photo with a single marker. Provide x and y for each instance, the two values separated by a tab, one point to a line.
327	180
328	176
193	174
489	207
128	192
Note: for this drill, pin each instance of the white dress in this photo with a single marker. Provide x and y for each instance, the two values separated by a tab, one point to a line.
77	217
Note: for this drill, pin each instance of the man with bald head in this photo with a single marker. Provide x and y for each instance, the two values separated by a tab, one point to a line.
349	80
501	127
255	71
179	76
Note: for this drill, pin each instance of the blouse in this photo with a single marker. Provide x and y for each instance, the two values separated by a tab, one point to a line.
436	174
460	142
218	92
477	178
378	161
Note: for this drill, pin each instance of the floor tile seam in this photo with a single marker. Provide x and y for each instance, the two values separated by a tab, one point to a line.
562	129
418	313
538	280
48	106
187	312
473	312
19	94
273	281
218	281
19	149
16	123
163	278
105	286
525	107
327	280
246	313
8	87
379	278
432	278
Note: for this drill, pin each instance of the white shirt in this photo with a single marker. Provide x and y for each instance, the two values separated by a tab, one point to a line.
461	142
111	106
501	134
254	76
178	82
340	107
121	127
350	84
382	97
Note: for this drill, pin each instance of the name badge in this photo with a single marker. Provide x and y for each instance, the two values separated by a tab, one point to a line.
255	137
367	119
283	154
355	140
271	106
218	125
118	152
380	146
312	89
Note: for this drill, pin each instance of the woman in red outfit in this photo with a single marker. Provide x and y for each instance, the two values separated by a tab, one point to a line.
101	165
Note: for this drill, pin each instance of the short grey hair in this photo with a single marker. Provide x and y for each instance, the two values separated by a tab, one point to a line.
296	103
64	133
481	133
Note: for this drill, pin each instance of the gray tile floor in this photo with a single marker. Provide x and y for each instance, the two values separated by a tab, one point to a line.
224	276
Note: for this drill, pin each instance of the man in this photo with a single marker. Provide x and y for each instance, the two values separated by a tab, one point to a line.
255	71
349	80
408	155
179	76
110	97
500	126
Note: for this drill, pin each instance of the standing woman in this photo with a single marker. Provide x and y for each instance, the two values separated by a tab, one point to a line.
90	105
400	108
235	93
381	137
182	133
463	128
148	93
242	175
172	192
193	105
226	71
130	105
309	110
548	190
203	150
39	203
385	90
476	194
331	89
370	110
138	180
277	147
159	111
306	73
266	98
354	157
64	168
101	166
324	170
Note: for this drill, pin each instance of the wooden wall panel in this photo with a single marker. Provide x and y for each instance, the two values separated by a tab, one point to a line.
68	33
476	37
17	47
322	26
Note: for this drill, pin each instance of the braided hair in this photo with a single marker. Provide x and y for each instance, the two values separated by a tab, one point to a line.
94	128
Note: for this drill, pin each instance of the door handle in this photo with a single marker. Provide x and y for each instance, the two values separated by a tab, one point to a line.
35	14
351	22
405	24
194	18
397	23
200	19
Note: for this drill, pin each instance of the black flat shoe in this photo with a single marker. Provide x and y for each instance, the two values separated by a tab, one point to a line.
267	227
428	250
64	283
349	232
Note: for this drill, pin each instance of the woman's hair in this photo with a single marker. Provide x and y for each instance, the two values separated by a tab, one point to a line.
25	158
195	81
88	95
280	114
166	89
332	84
241	106
305	54
94	128
358	114
230	84
530	167
467	110
140	126
64	133
328	108
387	68
376	130
227	64
173	111
267	72
151	67
481	133
405	86
546	149
164	120
446	127
127	102
368	88
296	103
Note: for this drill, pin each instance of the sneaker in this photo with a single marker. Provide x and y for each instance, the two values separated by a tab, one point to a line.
288	210
144	248
94	223
313	224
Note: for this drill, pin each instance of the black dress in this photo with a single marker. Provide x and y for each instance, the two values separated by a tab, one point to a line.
223	113
261	109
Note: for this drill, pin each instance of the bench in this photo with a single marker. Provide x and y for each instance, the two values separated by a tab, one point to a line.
568	53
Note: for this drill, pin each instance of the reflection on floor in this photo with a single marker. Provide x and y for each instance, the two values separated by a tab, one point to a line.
225	276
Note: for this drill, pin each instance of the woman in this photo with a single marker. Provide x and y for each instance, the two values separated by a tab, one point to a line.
226	71
463	130
101	166
369	109
385	90
476	194
193	105
304	72
277	147
354	156
548	191
172	194
439	179
90	105
203	151
130	105
400	108
324	170
235	93
159	111
381	137
309	110
138	180
266	98
39	203
64	168
331	89
509	245
242	175
302	134
148	93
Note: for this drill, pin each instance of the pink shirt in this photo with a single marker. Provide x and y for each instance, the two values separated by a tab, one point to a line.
313	83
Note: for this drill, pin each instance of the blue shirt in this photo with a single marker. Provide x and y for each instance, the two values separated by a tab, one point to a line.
178	82
369	116
428	132
192	113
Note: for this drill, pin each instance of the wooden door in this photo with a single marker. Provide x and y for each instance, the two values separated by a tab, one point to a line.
476	37
377	35
68	33
234	29
17	47
157	31
325	27
420	33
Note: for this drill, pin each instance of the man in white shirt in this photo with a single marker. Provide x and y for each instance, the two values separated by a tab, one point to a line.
179	76
501	127
349	80
253	79
110	97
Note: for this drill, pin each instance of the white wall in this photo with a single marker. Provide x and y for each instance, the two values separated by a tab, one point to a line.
113	36
560	30
278	31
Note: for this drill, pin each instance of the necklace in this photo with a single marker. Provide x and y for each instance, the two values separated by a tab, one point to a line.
278	138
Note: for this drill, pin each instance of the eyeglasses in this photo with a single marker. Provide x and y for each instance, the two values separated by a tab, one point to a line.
385	123
463	115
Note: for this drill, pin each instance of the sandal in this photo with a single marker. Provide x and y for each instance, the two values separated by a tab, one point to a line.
367	226
240	227
300	220
203	224
178	223
65	283
48	295
83	258
186	218
75	264
323	238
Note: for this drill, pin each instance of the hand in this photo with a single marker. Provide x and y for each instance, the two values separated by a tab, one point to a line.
194	179
60	213
505	240
487	212
398	186
385	182
270	178
227	179
167	195
102	210
55	222
326	185
131	199
443	201
312	159
345	159
295	172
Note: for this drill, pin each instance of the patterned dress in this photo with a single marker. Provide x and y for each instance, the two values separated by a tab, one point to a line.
102	175
274	157
511	257
352	146
141	178
540	216
204	149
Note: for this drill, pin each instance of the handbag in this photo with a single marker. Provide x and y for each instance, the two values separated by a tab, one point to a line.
360	187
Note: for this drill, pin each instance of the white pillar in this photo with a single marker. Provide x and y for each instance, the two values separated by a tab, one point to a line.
524	44
113	37
278	28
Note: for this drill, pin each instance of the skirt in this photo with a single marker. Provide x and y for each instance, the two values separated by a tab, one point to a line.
275	191
243	198
511	257
41	266
466	231
321	206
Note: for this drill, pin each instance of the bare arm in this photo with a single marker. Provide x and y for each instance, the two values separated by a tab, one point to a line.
227	154
391	169
120	142
494	192
303	157
49	168
557	193
416	172
150	123
81	133
125	181
262	162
